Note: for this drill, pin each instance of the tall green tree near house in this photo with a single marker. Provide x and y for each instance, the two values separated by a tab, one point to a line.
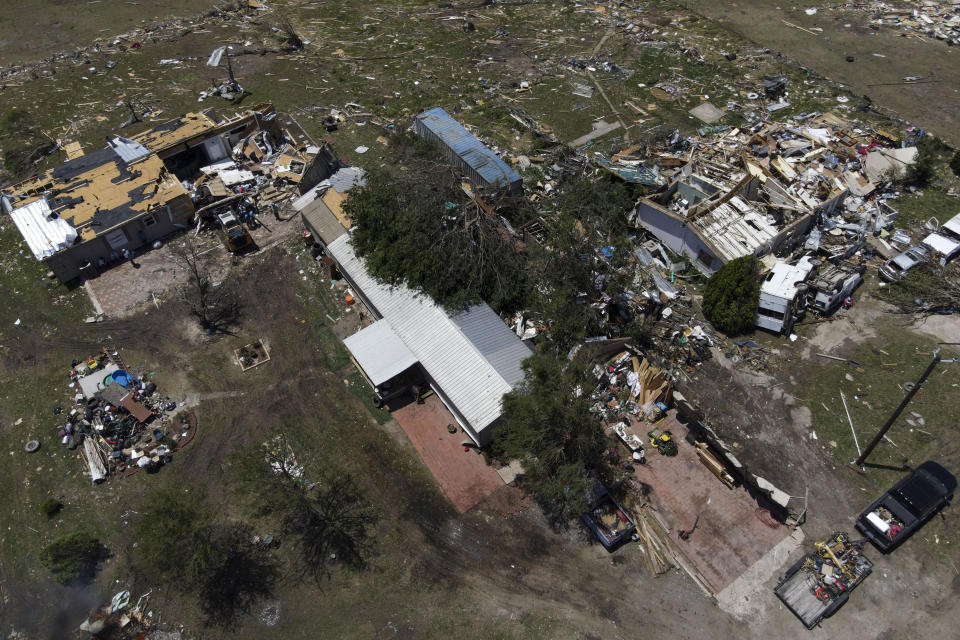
731	295
548	426
414	225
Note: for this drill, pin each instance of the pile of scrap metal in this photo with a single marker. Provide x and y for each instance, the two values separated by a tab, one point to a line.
119	421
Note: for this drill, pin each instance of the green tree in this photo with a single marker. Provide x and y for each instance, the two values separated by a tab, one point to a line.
731	294
548	426
924	169
414	225
72	557
330	521
173	534
178	538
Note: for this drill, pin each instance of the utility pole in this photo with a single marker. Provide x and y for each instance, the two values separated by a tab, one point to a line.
912	392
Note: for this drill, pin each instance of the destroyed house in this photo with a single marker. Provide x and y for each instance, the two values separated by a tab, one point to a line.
714	212
480	164
83	214
81	217
470	359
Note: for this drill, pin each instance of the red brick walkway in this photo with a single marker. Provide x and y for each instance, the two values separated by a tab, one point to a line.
733	531
463	476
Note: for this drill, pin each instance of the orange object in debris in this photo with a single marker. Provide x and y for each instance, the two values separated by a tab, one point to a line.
349	300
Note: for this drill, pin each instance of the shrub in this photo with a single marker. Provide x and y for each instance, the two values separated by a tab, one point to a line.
72	557
955	164
50	507
730	297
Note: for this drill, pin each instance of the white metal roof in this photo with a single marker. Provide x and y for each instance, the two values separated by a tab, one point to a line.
953	224
941	244
380	352
45	234
783	279
474	358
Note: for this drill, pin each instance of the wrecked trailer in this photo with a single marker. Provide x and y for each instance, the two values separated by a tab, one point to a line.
818	584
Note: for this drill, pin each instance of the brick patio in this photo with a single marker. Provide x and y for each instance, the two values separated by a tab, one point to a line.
733	531
464	477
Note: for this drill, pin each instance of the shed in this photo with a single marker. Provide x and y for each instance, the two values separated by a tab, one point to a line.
481	165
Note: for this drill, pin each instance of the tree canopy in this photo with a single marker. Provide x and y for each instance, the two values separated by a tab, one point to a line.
731	294
415	225
548	426
72	557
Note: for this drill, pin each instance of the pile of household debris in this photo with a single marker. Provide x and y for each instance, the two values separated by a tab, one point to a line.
940	20
119	421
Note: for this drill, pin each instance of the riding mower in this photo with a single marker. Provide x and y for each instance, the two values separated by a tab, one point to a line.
663	441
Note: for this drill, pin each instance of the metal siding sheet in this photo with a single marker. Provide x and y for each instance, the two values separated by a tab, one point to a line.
475	155
468	378
44	235
320	220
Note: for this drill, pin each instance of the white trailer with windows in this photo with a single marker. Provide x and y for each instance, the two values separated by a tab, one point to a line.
779	294
944	243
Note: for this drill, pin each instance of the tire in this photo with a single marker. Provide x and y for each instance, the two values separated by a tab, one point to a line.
32	446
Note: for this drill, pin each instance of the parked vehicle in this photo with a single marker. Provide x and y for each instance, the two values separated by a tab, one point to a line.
235	236
832	284
898	513
944	243
895	269
818	584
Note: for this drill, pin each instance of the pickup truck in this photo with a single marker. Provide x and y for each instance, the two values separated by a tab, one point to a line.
819	583
898	513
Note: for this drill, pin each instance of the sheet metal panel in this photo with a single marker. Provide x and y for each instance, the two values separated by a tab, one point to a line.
45	235
380	352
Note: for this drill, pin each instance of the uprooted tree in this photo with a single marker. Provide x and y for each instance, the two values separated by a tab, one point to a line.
571	272
927	289
547	425
214	304
416	226
731	294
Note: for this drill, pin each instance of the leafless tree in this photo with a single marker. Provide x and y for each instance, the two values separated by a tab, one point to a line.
214	304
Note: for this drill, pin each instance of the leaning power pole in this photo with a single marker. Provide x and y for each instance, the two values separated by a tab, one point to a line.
906	400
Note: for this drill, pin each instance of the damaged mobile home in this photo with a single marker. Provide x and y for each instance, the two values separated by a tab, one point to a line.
470	359
87	214
769	188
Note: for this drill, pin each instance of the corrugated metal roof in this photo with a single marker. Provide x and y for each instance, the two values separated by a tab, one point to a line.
473	362
473	152
45	235
494	339
380	352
